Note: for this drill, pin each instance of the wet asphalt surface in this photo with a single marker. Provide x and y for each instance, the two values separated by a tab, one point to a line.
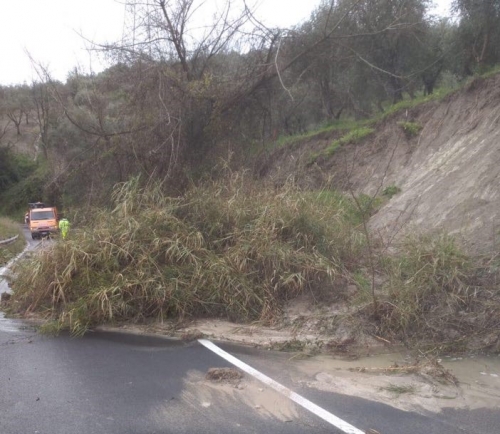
118	383
128	384
114	383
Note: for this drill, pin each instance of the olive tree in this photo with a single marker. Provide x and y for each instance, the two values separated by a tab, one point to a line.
479	31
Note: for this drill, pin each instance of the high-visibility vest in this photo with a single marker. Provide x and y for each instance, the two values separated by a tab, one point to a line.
64	225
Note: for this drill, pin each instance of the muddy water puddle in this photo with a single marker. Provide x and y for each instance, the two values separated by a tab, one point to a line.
9	325
471	381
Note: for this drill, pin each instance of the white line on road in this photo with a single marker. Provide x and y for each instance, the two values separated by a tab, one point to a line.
308	405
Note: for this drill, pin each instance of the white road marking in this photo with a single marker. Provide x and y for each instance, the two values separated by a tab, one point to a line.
295	397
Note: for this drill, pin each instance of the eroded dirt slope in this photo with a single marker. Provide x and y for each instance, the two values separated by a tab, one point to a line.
448	173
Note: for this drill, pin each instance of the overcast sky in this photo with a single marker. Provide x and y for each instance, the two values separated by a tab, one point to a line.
48	30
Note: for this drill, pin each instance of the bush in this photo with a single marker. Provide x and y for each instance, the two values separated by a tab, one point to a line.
411	129
28	188
391	191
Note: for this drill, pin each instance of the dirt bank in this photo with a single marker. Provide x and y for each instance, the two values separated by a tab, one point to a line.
448	172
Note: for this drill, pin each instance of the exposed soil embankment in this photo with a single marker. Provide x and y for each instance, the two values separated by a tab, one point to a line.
448	172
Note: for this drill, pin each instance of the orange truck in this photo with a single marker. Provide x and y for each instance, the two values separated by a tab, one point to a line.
43	222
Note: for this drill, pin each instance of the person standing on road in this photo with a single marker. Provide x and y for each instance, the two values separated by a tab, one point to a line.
64	227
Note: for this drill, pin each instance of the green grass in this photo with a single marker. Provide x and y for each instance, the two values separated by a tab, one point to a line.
491	72
353	136
390	191
358	130
361	126
399	389
411	129
341	125
8	229
406	104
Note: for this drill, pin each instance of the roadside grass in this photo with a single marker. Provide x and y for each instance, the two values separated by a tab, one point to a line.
437	95
356	130
350	125
491	72
8	229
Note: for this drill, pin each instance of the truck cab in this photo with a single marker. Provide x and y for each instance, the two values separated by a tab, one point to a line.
33	205
43	222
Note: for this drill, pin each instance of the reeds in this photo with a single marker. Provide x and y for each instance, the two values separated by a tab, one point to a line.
236	250
226	249
429	285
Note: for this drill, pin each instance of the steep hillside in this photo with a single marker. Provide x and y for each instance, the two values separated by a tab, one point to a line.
447	166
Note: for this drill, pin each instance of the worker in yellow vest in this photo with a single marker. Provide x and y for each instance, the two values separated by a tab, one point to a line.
64	227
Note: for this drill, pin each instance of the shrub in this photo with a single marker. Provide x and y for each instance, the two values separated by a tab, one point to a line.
390	191
411	129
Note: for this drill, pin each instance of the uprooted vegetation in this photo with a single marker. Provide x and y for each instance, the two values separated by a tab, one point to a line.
240	251
229	251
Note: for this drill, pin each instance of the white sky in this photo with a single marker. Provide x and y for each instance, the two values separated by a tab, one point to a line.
48	30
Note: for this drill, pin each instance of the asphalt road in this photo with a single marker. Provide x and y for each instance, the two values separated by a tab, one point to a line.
119	383
129	384
114	383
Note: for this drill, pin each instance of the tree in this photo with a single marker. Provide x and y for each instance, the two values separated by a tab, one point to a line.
15	104
389	39
192	87
371	51
479	30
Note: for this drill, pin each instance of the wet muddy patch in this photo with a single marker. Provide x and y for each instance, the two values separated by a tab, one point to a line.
426	384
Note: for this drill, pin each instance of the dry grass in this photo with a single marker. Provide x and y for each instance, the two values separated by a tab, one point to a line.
433	292
226	249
